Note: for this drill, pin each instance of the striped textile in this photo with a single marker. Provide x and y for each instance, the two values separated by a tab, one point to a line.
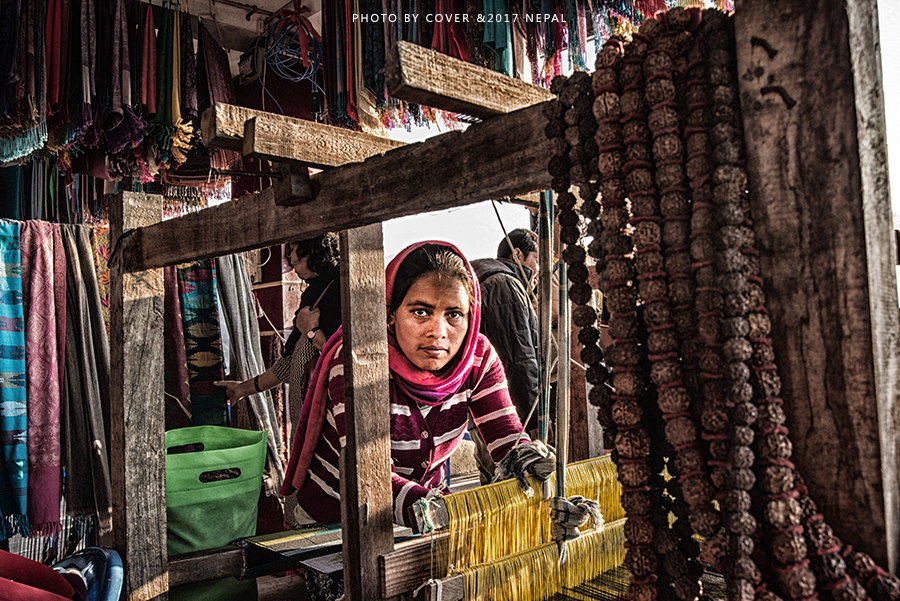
13	414
422	437
203	342
44	290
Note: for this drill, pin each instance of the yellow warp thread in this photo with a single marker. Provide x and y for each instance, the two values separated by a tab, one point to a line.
497	521
594	553
535	575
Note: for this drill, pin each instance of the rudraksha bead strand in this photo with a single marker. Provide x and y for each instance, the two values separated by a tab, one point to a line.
666	372
632	442
753	402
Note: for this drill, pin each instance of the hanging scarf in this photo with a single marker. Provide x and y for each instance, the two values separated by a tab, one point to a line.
13	416
203	342
178	393
43	285
86	438
189	111
148	65
497	34
450	36
183	131
123	127
425	387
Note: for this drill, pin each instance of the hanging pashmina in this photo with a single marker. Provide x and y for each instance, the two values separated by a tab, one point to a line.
450	35
148	65
203	343
189	109
178	393
497	35
123	127
13	415
239	317
183	131
88	488
214	85
44	293
160	125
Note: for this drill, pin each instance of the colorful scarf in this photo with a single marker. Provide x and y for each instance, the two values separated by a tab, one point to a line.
178	392
425	387
43	287
203	342
13	415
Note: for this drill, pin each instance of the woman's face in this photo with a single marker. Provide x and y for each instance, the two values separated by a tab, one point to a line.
301	265
431	323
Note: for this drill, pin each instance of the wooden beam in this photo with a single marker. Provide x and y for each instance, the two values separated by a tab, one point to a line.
424	76
137	422
366	496
451	588
278	138
814	125
413	562
501	157
205	565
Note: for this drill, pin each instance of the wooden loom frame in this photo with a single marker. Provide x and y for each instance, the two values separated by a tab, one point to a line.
824	229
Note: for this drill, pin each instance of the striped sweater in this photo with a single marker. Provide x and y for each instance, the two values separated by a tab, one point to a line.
422	437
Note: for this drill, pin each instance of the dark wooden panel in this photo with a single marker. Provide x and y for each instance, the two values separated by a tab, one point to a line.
424	76
813	118
137	422
413	562
366	498
502	157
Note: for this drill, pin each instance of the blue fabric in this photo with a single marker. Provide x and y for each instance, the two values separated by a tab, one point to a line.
13	413
497	34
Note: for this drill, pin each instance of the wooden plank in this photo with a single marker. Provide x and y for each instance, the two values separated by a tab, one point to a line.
366	497
501	157
278	137
424	76
137	422
413	562
813	118
452	588
205	565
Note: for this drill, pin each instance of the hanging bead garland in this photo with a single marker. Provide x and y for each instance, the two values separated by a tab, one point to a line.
691	354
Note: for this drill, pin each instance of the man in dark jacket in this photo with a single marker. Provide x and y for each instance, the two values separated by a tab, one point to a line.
509	321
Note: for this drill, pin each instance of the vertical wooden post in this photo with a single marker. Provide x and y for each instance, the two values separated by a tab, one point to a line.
579	437
366	498
137	422
813	115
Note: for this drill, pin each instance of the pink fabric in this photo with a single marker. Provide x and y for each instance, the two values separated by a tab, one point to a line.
40	288
424	386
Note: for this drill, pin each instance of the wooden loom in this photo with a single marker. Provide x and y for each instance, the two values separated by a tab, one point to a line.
842	217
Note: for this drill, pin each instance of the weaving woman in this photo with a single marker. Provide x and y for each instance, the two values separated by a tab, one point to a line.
442	370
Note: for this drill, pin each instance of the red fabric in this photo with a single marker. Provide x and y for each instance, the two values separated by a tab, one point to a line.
450	34
148	66
23	579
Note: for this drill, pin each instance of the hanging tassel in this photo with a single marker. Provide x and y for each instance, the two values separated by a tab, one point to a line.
23	144
649	8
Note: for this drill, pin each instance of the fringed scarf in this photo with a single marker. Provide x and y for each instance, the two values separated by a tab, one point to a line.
426	387
203	342
214	85
44	293
86	439
13	414
450	37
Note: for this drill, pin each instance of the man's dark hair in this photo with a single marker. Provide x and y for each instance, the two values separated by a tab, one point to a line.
524	240
323	251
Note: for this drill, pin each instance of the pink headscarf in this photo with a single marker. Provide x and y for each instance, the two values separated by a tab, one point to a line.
421	385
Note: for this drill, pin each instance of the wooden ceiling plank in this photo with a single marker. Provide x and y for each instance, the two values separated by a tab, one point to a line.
278	138
505	156
420	75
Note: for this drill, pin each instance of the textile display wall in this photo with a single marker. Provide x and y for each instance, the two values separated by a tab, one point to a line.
55	395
